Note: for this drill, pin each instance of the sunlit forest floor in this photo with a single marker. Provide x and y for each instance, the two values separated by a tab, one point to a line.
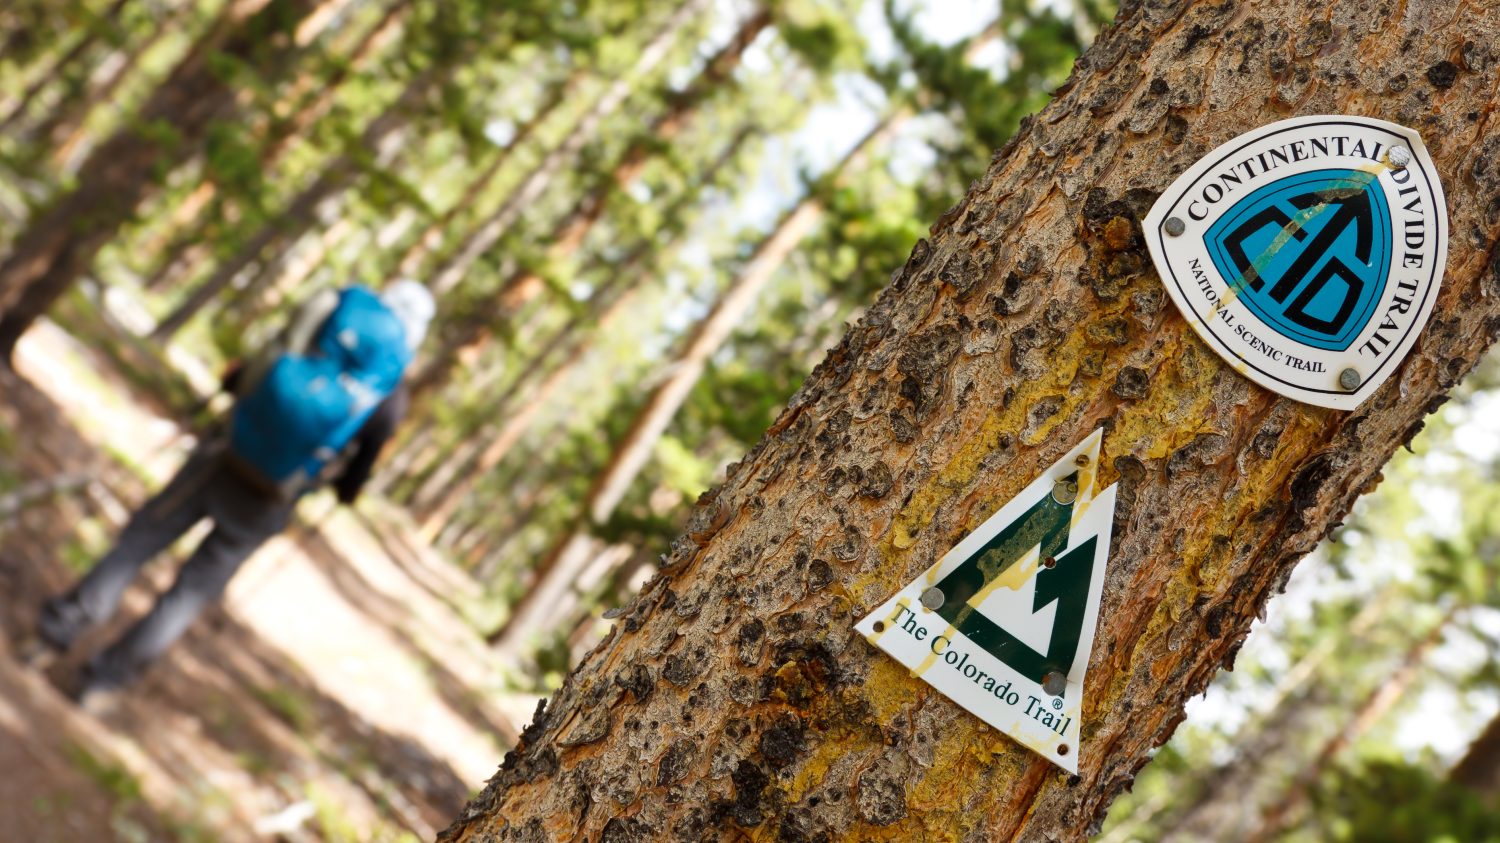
339	693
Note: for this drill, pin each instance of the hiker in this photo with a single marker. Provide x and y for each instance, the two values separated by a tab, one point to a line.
314	407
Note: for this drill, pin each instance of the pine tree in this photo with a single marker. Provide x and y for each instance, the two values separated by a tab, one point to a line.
61	241
558	571
733	697
452	271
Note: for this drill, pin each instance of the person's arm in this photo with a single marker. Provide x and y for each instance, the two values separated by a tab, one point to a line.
368	443
234	372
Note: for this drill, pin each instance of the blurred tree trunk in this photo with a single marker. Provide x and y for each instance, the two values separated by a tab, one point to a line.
484	237
310	97
31	26
92	32
570	231
380	141
559	570
64	127
1479	769
314	24
733	698
450	485
437	500
468	330
59	243
1375	706
432	236
525	506
1222	799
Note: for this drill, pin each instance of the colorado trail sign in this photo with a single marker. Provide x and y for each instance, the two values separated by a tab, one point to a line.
1307	253
1004	623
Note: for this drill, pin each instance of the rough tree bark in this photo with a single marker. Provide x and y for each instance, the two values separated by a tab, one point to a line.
733	698
59	243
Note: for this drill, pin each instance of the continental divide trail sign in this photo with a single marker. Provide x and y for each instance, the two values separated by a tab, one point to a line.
1307	253
1004	623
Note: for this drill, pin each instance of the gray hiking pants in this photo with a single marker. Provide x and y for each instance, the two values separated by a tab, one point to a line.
205	487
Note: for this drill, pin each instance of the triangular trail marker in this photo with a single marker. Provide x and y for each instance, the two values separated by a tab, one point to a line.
1004	623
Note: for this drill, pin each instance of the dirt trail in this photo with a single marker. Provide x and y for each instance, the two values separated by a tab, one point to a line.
338	693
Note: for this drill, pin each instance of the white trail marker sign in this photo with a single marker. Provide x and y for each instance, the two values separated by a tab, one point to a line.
1004	623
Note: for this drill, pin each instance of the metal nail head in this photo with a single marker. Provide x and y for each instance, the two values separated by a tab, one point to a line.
1349	380
1065	491
1081	460
1175	226
1055	683
933	598
1399	156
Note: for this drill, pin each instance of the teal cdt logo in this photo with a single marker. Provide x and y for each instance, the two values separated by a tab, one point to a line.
1309	254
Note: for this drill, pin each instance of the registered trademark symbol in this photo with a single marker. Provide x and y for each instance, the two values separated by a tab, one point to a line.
1057	702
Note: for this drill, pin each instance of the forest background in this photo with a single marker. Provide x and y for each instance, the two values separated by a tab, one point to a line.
645	222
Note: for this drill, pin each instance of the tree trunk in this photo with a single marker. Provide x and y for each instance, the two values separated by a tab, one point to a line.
301	213
437	502
1229	800
90	36
432	236
1222	799
311	97
1479	769
559	570
58	245
522	285
484	237
31	26
438	369
173	259
313	25
64	128
486	450
1375	706
573	228
734	698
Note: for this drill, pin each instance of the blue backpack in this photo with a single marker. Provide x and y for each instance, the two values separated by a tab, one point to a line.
307	407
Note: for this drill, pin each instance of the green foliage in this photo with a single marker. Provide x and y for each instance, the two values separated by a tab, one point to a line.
110	776
987	109
90	542
10	475
1396	802
822	35
289	706
232	160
